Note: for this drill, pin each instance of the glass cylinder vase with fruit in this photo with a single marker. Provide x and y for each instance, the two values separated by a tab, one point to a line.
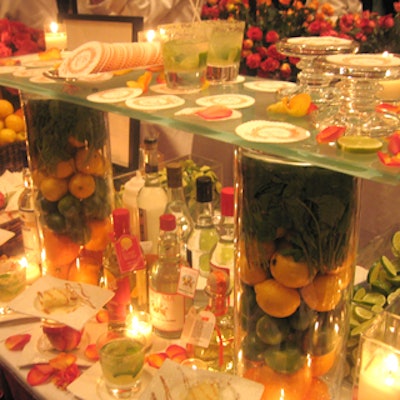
69	153
296	251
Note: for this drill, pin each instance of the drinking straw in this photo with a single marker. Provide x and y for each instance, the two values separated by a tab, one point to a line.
195	7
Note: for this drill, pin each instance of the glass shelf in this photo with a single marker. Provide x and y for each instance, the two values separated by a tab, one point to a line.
326	156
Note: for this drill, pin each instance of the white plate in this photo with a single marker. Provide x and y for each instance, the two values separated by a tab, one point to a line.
29	73
114	95
190	111
271	132
364	60
230	100
9	69
164	89
155	103
268	85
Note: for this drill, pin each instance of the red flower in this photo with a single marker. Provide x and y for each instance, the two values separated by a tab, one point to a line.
386	21
5	51
254	33
263	51
253	60
272	37
274	53
270	65
346	22
396	6
210	12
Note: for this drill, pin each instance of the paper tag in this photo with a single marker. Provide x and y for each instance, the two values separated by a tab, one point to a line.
187	281
198	327
129	253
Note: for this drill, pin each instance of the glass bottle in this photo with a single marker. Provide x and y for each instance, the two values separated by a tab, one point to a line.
177	204
219	354
124	270
204	236
29	227
152	198
167	307
223	254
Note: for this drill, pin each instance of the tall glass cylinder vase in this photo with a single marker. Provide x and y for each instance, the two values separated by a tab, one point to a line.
297	236
69	158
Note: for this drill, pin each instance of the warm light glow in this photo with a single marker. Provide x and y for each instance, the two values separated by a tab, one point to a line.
139	325
53	27
391	367
150	35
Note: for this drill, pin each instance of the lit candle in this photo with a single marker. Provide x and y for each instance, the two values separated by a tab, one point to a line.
380	377
148	36
139	324
32	270
55	37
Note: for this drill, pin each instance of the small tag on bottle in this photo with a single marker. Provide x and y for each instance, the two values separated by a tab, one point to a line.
198	328
187	281
129	253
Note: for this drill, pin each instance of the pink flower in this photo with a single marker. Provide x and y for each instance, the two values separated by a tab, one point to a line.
254	33
272	37
253	60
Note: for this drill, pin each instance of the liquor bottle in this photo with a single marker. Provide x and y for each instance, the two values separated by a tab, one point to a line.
124	270
152	198
218	351
223	254
29	227
177	204
204	235
167	306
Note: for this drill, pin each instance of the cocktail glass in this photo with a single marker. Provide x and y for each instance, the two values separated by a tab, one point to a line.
12	279
184	50
121	358
226	39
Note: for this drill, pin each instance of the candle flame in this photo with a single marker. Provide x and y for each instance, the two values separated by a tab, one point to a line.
54	27
150	35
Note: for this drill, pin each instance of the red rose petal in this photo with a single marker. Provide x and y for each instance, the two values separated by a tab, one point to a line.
17	342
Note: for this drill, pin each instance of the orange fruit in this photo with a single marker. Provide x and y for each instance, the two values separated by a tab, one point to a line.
53	188
323	293
251	271
99	234
64	168
280	386
7	136
60	249
318	390
290	273
275	299
81	185
15	122
85	270
322	364
90	161
6	108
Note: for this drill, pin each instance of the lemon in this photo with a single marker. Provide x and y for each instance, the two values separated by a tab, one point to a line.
6	108
7	136
359	144
15	122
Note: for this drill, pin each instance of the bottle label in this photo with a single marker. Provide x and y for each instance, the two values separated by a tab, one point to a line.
129	253
187	281
167	310
118	305
199	327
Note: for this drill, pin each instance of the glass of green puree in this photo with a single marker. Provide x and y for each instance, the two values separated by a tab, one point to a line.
121	355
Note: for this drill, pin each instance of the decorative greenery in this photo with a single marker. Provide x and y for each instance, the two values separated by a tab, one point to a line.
272	20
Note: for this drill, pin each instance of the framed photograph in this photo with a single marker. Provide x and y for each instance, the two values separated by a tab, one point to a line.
82	28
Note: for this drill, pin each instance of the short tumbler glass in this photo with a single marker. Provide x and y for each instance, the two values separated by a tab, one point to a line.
121	360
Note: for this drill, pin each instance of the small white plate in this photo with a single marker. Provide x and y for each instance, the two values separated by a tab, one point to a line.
233	101
9	69
29	73
114	95
271	132
155	103
268	85
164	89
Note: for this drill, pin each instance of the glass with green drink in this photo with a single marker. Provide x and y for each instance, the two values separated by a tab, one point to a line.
121	355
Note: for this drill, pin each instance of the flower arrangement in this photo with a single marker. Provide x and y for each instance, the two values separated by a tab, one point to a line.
268	21
17	39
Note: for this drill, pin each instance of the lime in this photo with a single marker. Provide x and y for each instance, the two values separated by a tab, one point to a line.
359	294
272	330
393	296
376	309
395	280
374	298
363	313
253	347
389	266
361	328
287	359
396	244
373	273
353	322
359	144
382	287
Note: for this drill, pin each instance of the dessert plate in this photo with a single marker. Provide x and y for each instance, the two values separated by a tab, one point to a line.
268	85
155	103
271	132
229	100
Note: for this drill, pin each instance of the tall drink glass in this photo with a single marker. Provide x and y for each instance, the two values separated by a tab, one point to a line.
184	49
226	39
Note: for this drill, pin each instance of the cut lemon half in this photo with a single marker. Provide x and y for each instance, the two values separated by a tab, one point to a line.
359	144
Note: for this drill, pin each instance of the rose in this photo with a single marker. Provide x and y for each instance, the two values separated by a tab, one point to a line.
254	33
